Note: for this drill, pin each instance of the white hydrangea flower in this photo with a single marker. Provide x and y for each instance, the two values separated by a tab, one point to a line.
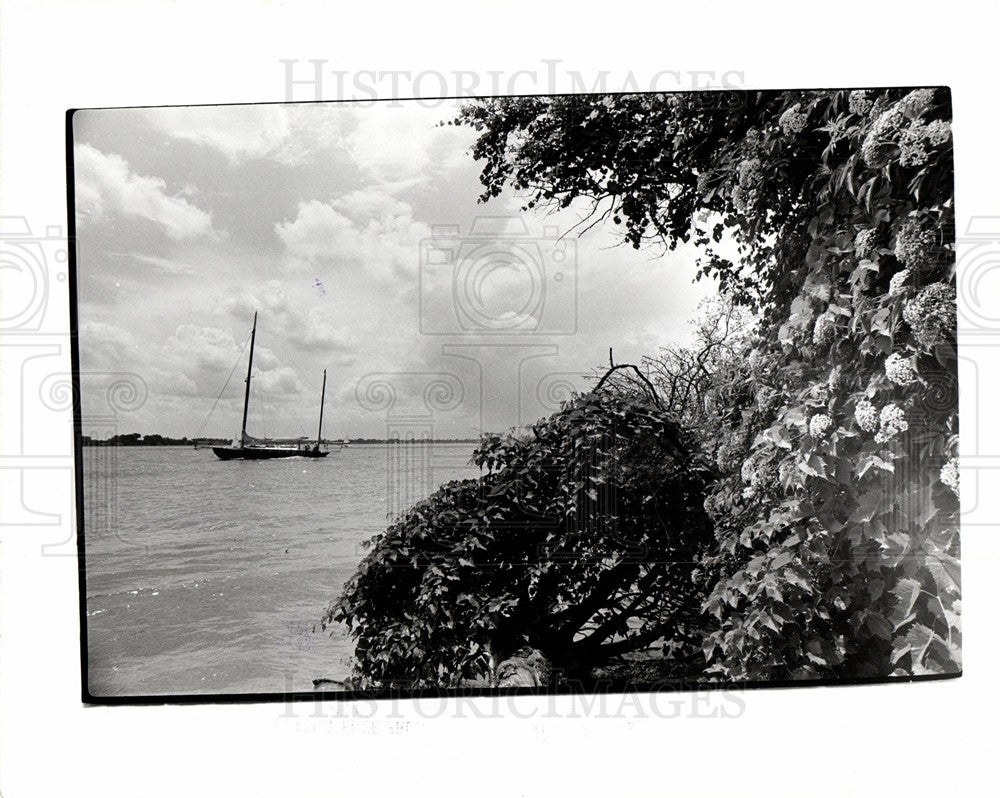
949	475
938	132
865	243
917	101
859	102
883	131
819	425
793	121
897	285
912	153
825	329
932	315
914	245
750	172
833	380
915	139
899	369
866	415
739	199
892	421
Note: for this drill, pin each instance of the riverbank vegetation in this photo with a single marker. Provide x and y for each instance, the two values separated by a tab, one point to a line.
782	496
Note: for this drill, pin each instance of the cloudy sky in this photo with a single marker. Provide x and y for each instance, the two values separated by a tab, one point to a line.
355	234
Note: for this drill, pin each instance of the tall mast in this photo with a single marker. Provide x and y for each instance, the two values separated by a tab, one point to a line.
319	433
246	397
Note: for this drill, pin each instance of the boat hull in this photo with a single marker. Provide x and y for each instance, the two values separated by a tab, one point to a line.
262	453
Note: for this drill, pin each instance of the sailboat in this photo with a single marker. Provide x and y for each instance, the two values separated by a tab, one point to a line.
249	448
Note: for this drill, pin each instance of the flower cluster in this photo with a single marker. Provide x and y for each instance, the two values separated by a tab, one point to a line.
899	370
897	285
916	102
793	121
756	471
931	314
914	141
819	425
750	172
883	132
938	132
749	175
889	126
882	104
915	244
912	151
819	392
787	471
892	421
866	415
860	102
949	475
767	398
825	329
865	243
740	199
834	379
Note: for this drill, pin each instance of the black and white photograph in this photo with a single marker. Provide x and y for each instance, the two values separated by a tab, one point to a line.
562	393
530	400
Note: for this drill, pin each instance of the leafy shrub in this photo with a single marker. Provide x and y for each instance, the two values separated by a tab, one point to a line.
579	540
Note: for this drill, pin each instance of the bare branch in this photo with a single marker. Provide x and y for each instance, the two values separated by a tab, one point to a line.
621	366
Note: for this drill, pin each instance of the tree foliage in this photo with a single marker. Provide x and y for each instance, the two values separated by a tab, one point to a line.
579	540
835	428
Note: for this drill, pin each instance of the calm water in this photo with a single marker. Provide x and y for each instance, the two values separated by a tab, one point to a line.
206	576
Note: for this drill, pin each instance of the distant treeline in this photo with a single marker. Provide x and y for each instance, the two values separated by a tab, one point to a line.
136	439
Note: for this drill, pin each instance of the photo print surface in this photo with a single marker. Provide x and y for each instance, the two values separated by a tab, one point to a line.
563	393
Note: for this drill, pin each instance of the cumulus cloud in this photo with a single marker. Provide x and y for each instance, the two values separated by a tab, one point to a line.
269	299
317	333
279	382
318	233
105	346
106	186
402	146
196	361
312	329
365	229
203	347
